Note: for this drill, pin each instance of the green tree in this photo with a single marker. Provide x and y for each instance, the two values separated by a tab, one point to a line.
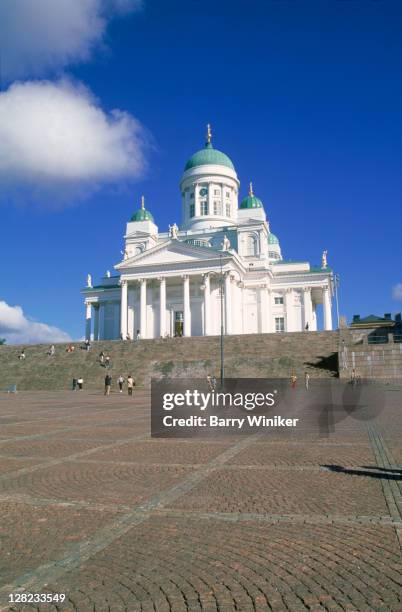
2	341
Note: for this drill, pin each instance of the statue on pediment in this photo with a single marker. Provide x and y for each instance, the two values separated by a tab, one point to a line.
173	231
324	263
89	280
226	243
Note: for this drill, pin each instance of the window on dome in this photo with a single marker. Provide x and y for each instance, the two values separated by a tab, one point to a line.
227	209
278	300
217	208
228	194
192	210
216	192
279	324
203	207
273	255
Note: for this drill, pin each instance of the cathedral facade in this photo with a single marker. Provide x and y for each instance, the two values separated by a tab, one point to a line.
222	267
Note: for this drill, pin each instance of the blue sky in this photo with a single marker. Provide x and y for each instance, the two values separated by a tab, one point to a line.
306	99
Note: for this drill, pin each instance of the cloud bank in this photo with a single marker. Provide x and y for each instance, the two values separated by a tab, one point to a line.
16	328
397	291
57	133
38	36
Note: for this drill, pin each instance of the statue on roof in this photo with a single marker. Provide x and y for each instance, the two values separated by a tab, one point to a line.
89	280
324	263
225	243
107	273
173	231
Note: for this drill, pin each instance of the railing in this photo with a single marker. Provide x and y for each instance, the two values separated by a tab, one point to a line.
397	337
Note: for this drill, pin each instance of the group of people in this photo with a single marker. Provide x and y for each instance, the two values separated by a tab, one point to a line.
293	380
78	383
128	336
120	383
104	359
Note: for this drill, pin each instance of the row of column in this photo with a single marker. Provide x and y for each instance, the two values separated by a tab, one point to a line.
186	306
309	314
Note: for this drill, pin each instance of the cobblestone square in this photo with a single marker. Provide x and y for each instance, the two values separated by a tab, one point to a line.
92	507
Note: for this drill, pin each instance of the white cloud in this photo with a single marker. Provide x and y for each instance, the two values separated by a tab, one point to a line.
53	133
397	291
16	328
38	36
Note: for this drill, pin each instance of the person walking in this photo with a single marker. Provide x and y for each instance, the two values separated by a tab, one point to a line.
75	382
107	361
21	356
120	382
306	380
101	357
130	384
80	382
138	335
51	351
108	383
293	381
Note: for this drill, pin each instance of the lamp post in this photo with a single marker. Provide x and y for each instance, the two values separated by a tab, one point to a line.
223	297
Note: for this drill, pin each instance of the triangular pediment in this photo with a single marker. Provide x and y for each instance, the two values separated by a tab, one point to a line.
170	252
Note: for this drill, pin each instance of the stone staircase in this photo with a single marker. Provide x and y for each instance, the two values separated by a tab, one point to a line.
249	356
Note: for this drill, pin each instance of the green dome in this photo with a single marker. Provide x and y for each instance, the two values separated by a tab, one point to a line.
142	214
209	155
251	202
272	239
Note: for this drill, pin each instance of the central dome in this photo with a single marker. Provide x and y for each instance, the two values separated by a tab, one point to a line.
210	156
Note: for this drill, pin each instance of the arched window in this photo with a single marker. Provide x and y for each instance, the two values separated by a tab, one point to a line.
252	245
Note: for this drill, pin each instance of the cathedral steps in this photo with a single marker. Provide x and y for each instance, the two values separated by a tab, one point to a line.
253	355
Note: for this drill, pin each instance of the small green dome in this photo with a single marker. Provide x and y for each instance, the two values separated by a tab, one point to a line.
209	155
272	239
251	201
142	214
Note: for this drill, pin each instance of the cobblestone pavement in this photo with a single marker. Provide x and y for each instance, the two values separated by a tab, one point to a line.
94	508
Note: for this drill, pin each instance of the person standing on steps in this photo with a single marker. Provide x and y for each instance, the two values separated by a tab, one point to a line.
108	383
130	384
120	382
80	382
306	380
293	381
138	336
75	382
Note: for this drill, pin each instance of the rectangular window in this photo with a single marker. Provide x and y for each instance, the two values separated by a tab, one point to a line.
192	195
228	194
217	208
204	207
279	324
216	191
228	210
192	210
278	300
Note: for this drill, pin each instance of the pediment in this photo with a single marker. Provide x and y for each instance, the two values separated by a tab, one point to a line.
170	252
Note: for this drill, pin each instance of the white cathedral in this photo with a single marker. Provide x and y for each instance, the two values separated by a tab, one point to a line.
222	266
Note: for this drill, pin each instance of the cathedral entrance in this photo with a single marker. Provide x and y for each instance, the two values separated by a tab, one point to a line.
178	323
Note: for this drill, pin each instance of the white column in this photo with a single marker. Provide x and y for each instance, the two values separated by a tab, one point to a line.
130	312
314	317
289	306
327	308
270	324
207	304
210	199
96	322
102	321
308	309
123	310
87	320
264	306
186	303
162	306
228	304
143	308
